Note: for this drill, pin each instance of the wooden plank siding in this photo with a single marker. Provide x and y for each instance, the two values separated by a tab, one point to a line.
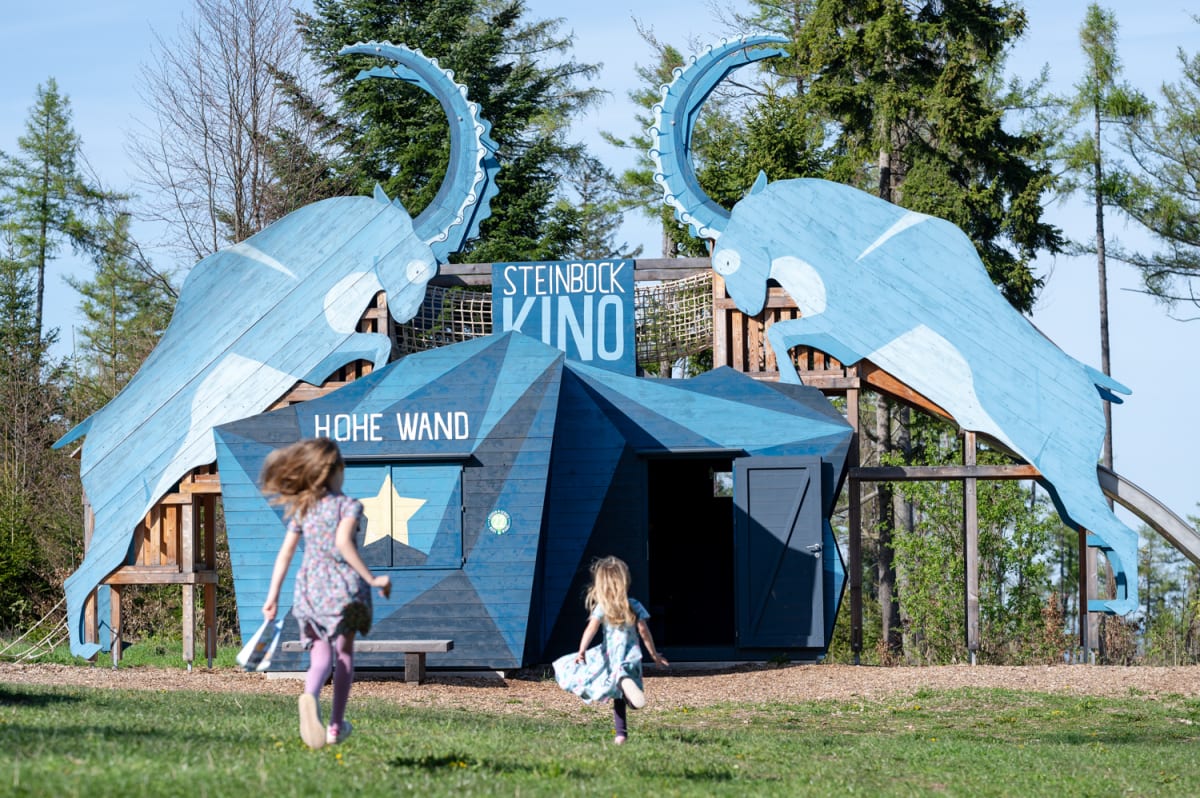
483	601
559	446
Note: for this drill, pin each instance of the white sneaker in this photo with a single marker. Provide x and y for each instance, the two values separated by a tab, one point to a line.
334	737
311	730
633	693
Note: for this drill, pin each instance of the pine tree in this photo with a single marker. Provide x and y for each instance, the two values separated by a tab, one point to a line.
126	309
918	112
48	200
388	133
1101	101
1159	189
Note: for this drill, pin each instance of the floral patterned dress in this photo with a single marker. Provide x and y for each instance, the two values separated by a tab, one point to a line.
620	654
330	598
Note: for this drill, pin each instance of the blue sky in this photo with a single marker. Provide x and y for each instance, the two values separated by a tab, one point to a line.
95	51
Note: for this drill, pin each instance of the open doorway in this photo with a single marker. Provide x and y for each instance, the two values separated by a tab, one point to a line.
691	554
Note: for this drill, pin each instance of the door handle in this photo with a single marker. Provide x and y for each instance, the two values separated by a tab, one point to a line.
815	548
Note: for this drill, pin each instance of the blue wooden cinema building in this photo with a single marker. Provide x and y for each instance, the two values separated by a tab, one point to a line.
493	471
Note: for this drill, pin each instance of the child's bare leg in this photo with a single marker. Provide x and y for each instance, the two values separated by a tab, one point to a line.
343	677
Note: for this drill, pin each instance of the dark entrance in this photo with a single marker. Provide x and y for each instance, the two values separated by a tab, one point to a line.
691	555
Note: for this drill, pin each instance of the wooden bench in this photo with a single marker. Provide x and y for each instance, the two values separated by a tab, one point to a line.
414	652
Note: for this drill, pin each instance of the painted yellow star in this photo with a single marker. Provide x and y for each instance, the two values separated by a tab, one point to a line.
388	514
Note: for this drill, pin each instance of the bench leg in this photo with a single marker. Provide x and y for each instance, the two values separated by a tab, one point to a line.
414	667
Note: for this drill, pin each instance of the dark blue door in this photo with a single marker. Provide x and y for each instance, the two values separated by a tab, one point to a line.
778	541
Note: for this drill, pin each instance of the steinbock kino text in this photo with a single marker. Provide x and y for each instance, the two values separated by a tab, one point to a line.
584	308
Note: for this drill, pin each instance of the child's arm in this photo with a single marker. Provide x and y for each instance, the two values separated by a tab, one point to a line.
282	561
349	551
589	632
644	631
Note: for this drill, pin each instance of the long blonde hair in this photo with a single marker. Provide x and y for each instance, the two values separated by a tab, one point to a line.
297	476
610	591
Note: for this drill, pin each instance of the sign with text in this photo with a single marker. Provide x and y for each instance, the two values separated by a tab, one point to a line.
584	308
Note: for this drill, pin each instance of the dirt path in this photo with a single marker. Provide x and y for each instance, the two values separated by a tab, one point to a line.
529	691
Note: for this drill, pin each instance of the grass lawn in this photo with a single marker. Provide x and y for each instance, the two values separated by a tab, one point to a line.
65	741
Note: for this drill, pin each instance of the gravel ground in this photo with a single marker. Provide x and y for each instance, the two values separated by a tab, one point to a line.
531	692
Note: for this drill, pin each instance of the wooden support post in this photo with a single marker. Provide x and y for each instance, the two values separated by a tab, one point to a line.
209	530
115	623
91	619
1093	562
210	623
189	624
1086	576
854	522
971	547
187	565
721	354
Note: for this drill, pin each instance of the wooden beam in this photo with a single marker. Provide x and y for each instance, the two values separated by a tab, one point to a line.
886	383
644	270
774	301
158	575
942	473
205	488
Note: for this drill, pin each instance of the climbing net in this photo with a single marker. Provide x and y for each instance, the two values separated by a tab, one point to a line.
39	640
673	319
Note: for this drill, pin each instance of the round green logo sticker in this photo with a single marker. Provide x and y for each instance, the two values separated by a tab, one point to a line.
499	522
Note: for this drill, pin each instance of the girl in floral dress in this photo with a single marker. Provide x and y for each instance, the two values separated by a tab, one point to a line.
614	669
332	599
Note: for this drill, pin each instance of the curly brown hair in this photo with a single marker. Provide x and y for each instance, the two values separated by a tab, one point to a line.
297	476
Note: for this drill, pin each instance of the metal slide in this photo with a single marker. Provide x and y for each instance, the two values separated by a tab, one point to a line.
1156	515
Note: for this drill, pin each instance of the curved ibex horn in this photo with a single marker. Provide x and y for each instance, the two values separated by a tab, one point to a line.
464	197
675	116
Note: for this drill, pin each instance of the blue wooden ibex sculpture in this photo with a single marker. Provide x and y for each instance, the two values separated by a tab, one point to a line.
254	318
907	292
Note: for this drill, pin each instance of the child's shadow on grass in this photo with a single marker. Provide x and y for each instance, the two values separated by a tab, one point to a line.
20	698
456	761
